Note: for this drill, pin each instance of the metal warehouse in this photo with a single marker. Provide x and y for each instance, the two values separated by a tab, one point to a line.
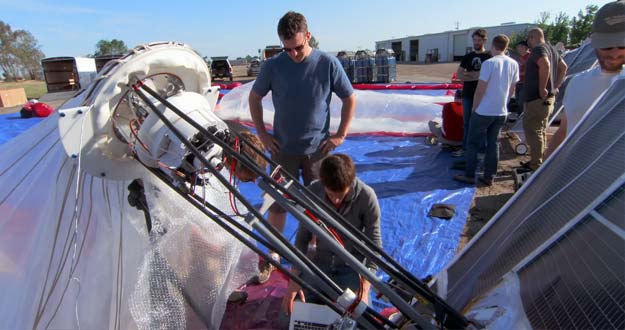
444	46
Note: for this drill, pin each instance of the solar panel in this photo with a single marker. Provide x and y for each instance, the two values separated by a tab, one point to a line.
563	233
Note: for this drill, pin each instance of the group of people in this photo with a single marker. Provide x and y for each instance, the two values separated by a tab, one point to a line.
302	80
490	79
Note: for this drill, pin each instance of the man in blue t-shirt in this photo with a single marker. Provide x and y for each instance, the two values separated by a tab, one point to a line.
302	80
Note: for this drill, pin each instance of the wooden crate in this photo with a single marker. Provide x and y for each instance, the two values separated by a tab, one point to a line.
12	97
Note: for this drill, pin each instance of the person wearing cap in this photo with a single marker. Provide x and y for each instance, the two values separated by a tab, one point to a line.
452	131
608	39
544	73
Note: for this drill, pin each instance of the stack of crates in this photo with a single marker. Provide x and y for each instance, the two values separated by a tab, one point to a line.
348	63
386	65
364	68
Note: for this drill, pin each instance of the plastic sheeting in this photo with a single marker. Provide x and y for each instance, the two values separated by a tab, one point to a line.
406	86
84	259
394	113
75	254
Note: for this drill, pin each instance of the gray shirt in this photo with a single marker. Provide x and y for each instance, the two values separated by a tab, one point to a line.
301	94
532	70
360	208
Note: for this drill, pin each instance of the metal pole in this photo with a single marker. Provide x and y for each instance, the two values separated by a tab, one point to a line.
354	263
400	273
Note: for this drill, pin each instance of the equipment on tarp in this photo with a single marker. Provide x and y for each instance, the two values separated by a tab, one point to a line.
149	116
35	109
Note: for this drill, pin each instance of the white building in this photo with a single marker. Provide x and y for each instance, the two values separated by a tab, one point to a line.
445	46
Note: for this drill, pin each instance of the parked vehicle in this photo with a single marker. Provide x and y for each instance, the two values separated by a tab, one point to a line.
221	68
253	69
270	51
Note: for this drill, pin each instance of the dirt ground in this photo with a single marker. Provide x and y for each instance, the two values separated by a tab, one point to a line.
487	200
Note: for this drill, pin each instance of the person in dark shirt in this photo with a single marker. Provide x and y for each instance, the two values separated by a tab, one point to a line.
357	203
469	73
544	73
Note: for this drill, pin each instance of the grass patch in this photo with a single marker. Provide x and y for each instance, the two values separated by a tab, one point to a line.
34	88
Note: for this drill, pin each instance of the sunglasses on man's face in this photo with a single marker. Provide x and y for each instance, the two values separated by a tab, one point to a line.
297	49
610	48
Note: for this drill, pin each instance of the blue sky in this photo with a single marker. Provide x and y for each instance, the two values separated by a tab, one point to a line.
238	28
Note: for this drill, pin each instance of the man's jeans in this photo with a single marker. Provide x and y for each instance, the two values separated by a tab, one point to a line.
467	109
480	128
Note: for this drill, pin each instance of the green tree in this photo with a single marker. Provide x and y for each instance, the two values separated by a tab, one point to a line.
581	25
543	20
8	61
20	54
313	42
560	29
29	54
556	30
515	38
112	47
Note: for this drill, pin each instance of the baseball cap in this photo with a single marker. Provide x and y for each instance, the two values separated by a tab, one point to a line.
608	29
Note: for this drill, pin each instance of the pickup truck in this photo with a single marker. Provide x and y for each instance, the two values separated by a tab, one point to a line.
221	68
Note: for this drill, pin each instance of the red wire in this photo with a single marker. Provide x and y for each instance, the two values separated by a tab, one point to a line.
337	237
331	230
136	135
233	203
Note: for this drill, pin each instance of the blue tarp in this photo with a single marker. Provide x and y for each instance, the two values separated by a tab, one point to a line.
11	125
408	177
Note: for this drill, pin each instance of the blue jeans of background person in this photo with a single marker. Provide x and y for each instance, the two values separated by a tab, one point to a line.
467	109
482	127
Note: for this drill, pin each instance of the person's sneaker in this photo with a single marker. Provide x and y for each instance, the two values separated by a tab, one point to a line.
265	270
457	153
465	179
486	181
237	297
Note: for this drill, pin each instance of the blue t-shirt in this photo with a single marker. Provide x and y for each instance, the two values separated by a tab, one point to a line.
301	94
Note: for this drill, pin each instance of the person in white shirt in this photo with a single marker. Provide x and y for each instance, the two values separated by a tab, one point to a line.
584	89
498	79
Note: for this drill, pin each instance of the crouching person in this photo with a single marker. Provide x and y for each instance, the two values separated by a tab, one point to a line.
357	203
452	130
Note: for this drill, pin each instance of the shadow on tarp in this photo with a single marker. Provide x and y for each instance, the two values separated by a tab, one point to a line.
12	125
409	177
